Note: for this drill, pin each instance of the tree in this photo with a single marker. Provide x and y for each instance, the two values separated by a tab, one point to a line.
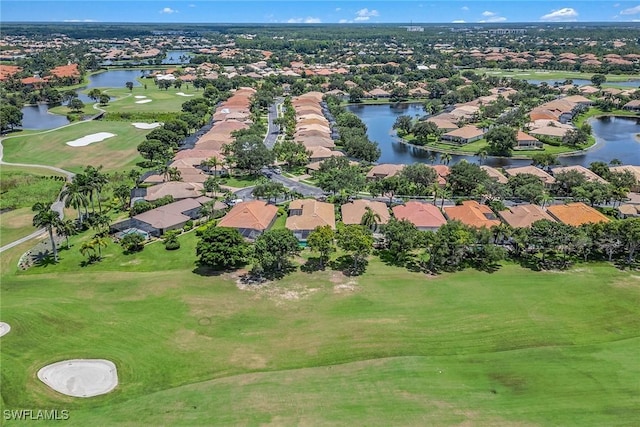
629	232
212	186
465	177
104	99
153	149
272	251
400	236
356	240
76	105
132	242
598	79
10	117
292	153
370	219
356	94
501	140
170	240
526	187
123	193
221	248
419	174
129	85
321	240
48	219
403	125
575	137
66	228
423	130
73	195
94	94
249	153
336	174
212	162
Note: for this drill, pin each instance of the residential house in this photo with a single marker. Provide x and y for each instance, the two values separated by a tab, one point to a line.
576	214
251	219
168	217
531	170
305	215
464	135
495	174
525	141
424	216
632	105
177	189
582	170
384	170
522	216
473	214
352	212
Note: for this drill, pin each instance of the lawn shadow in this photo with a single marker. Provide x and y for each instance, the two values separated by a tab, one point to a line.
344	263
205	271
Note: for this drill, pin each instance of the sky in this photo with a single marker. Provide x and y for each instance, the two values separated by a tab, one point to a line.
319	11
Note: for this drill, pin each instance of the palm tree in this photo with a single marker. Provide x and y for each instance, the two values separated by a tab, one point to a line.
501	232
445	158
66	228
482	154
370	219
445	192
73	195
99	241
96	180
545	199
174	174
88	249
134	175
46	218
212	162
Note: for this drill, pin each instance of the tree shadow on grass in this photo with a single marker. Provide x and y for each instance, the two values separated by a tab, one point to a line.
312	265
389	259
202	270
344	263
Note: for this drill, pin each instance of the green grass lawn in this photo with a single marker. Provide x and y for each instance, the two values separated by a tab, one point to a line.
390	347
49	147
161	100
552	75
21	189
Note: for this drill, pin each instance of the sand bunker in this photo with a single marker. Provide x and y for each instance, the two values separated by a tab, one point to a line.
139	97
90	139
183	94
80	377
4	328
144	101
146	125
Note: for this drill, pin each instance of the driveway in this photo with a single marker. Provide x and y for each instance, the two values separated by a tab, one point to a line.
273	130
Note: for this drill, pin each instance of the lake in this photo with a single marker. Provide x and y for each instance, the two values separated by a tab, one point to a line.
615	138
177	57
38	116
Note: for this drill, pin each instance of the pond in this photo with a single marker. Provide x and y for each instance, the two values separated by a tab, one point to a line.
38	116
177	57
615	138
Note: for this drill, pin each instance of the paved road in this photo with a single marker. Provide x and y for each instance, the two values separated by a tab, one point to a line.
273	130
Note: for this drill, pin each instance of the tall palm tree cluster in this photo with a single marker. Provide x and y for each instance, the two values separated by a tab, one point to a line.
83	191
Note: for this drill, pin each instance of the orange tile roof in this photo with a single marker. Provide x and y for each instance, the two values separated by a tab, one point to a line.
522	216
352	212
576	214
314	214
473	214
70	70
422	215
253	215
7	71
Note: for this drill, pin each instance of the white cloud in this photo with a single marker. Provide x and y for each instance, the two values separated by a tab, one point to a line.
487	13
192	5
343	21
616	5
493	19
465	8
307	20
564	14
80	20
168	10
338	9
458	21
631	11
365	14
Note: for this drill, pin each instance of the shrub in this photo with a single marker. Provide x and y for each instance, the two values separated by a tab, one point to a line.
171	242
133	242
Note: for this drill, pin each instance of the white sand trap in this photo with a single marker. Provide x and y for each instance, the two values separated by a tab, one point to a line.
183	94
139	97
146	125
90	139
80	377
143	101
4	328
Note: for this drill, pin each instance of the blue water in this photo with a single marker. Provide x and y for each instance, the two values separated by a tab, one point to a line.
615	138
38	116
173	57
